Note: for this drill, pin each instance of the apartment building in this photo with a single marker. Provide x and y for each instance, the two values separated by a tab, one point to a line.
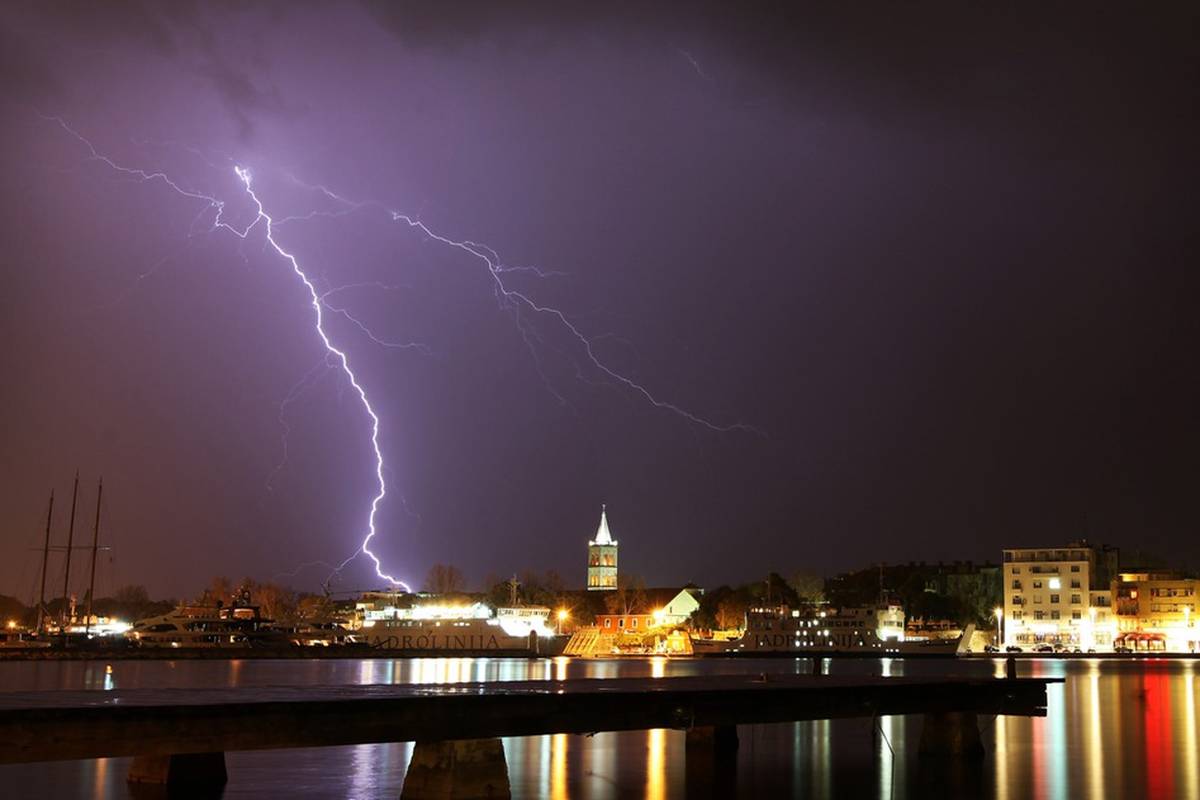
1059	596
1156	611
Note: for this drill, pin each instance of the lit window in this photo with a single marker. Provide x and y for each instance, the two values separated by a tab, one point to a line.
1055	583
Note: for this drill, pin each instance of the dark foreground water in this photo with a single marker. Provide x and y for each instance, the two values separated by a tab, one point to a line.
1114	729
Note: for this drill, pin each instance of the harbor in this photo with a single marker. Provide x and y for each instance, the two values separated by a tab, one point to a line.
532	400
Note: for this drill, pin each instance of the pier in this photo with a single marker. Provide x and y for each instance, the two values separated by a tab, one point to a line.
178	737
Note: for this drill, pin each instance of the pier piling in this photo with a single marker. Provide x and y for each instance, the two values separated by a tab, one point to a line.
953	734
465	769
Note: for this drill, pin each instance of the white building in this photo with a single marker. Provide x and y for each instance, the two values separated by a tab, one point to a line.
678	610
1059	596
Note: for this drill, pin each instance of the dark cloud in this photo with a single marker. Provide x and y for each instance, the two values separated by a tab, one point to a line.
24	72
1018	68
243	98
53	40
129	23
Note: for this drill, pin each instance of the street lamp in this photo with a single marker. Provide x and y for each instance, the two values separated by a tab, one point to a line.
658	617
563	615
999	612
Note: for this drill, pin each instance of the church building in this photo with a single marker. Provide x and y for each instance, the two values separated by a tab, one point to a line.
602	558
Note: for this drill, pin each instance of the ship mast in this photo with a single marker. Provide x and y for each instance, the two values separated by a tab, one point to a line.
70	542
45	558
87	625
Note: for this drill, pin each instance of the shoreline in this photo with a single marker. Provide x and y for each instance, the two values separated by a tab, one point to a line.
301	653
237	654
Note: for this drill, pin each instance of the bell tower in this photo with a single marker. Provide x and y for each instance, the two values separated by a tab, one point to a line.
602	558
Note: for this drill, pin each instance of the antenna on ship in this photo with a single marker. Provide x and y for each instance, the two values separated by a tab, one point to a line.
87	625
45	558
70	542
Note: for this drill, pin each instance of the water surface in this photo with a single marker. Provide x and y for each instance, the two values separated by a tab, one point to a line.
1116	728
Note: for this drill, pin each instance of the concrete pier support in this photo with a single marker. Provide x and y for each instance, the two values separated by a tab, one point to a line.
710	762
951	734
468	769
192	772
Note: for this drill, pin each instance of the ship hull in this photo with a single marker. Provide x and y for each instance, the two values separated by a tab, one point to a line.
458	639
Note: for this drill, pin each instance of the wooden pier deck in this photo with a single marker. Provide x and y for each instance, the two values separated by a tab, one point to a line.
158	725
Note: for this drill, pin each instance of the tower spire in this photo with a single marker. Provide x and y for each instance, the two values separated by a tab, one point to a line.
603	536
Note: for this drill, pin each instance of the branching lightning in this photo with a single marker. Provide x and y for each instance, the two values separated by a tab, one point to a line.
264	219
518	300
523	307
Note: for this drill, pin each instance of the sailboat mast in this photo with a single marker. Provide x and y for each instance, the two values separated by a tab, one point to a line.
45	559
70	543
87	625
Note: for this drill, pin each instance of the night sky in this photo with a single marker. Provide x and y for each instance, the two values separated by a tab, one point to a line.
942	257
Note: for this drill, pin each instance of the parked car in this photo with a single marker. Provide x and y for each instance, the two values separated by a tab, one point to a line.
991	648
1012	648
1043	648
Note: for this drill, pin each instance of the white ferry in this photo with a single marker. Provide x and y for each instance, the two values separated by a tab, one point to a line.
867	631
471	627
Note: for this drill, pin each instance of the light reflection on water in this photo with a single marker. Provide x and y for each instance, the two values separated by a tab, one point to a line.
1114	729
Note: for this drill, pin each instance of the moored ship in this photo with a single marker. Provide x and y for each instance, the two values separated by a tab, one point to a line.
195	626
391	623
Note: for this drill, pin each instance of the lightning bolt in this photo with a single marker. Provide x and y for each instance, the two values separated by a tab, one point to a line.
508	296
342	359
263	219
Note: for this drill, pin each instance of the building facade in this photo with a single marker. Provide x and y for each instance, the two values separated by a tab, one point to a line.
679	609
602	558
1059	596
1156	611
625	623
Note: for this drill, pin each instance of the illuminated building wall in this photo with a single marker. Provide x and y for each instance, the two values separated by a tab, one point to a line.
1059	596
1162	605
